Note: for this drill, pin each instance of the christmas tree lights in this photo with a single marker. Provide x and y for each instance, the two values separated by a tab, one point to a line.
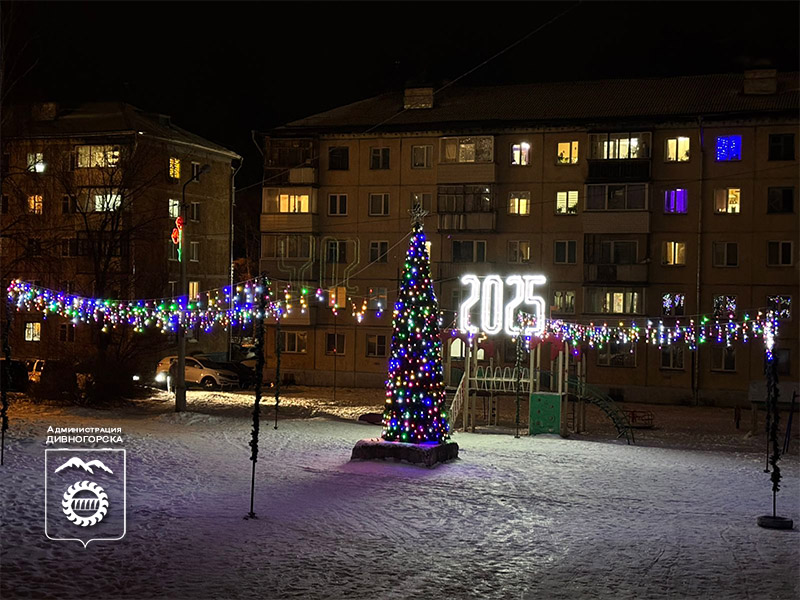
415	393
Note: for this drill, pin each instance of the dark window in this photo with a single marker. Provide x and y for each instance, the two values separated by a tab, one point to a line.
781	146
34	247
338	158
69	205
379	158
337	204
780	200
66	332
376	345
337	251
378	251
779	254
565	252
334	343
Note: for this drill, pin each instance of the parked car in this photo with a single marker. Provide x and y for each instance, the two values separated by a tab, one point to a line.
17	373
199	371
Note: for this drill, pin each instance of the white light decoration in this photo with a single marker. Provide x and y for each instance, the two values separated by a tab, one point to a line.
497	316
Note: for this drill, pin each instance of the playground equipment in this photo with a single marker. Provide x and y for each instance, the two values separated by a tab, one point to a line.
478	381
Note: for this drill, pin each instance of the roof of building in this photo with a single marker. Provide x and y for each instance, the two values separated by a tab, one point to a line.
104	118
561	102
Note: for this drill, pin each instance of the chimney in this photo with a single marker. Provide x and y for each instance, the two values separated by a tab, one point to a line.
760	82
415	98
44	111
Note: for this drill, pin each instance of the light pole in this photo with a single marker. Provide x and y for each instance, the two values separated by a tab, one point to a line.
180	388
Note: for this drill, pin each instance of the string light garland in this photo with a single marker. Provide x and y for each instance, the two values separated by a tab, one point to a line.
415	392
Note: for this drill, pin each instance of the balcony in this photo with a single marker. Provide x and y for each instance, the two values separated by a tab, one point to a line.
615	274
471	221
303	175
619	170
466	173
619	221
289	222
450	270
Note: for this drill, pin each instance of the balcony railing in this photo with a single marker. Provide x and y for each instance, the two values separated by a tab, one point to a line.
619	170
615	273
616	221
472	221
289	222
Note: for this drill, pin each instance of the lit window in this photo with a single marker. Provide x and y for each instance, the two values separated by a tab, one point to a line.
378	251
467	149
779	254
519	203
614	300
673	304
727	200
334	343
293	203
564	301
337	296
33	332
676	201
725	254
35	204
294	342
377	299
729	147
519	251
673	253
615	146
565	252
724	307
107	202
36	162
567	202
97	156
520	154
175	168
194	289
376	345
379	158
421	157
567	153
677	149
337	205
174	208
614	354
672	357
723	358
378	205
781	306
780	200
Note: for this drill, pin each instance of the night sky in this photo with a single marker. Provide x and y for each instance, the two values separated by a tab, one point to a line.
222	70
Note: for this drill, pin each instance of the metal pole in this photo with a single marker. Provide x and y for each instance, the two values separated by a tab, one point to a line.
180	384
279	347
335	349
259	349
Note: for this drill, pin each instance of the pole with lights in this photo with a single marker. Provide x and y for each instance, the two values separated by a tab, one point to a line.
180	389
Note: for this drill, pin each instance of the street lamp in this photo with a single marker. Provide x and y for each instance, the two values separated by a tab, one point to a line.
180	388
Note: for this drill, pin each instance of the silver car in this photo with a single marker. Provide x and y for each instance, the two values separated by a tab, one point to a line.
199	371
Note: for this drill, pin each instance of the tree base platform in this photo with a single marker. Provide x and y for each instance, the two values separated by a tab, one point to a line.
425	454
770	522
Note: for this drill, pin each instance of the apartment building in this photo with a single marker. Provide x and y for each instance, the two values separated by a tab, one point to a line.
640	198
90	197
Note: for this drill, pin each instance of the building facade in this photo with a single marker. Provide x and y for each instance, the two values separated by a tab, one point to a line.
90	197
662	198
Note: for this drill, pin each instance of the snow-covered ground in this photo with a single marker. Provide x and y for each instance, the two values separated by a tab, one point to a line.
544	517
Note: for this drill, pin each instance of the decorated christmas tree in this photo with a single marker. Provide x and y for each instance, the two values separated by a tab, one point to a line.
415	395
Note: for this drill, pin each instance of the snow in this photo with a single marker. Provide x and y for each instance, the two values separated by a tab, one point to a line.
588	517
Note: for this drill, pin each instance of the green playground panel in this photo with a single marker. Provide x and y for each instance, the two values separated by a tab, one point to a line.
545	413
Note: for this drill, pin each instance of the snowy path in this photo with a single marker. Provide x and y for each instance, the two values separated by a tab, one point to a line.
529	518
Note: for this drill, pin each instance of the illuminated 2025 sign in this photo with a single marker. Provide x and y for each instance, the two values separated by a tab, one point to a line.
496	315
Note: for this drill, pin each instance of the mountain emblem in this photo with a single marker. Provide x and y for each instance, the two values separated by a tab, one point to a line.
79	464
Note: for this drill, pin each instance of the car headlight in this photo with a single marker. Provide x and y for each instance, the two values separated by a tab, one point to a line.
160	376
136	378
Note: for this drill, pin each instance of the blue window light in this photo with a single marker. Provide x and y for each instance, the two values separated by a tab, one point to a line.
676	201
729	147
